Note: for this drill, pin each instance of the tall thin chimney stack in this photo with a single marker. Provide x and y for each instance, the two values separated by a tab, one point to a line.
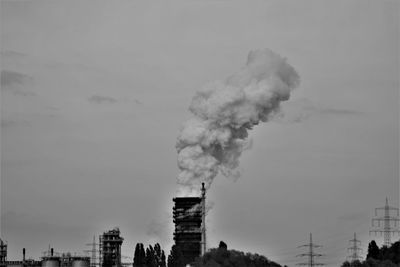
203	218
52	252
23	254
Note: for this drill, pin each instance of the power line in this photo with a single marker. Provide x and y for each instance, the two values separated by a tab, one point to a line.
310	254
387	220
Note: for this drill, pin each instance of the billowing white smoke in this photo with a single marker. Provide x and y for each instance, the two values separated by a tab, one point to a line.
213	140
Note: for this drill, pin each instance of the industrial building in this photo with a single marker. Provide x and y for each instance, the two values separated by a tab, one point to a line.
49	260
110	248
190	231
3	253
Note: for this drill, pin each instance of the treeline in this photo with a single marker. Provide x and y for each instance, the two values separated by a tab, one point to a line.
379	257
216	257
221	256
155	257
151	257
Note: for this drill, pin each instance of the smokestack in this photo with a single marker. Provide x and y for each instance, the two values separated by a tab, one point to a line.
51	252
23	254
212	141
203	219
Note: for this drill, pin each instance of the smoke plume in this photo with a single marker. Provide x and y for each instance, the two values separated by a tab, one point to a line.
224	111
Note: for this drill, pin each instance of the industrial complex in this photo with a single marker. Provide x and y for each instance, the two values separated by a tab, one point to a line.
189	236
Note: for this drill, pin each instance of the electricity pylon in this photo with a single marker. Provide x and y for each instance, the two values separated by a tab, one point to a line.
354	249
93	251
387	228
310	254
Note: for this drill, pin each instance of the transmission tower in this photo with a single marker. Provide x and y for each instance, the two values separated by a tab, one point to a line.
387	220
93	251
354	249
310	254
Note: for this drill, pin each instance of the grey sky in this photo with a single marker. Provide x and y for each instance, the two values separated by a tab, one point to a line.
93	95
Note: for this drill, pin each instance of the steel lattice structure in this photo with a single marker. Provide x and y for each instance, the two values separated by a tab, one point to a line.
354	249
386	229
310	254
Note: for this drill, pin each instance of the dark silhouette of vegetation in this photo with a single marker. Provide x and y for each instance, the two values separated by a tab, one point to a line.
139	258
151	257
383	257
175	258
222	257
373	250
223	245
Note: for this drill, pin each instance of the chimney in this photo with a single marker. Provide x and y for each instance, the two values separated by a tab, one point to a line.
52	252
203	219
23	254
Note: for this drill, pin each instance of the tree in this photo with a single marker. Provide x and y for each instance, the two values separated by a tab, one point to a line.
223	245
151	260
175	258
373	250
379	257
163	262
222	257
139	256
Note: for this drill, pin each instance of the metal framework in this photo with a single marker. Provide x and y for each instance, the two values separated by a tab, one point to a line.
3	253
310	254
110	248
190	230
93	252
354	249
387	229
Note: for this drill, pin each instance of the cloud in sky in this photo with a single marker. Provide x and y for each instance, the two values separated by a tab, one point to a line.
11	53
10	78
15	82
303	109
7	123
99	99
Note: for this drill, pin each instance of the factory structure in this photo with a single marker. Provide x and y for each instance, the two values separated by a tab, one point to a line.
109	247
50	259
189	237
190	230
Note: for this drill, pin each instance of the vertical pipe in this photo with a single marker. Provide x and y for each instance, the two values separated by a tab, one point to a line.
203	218
23	254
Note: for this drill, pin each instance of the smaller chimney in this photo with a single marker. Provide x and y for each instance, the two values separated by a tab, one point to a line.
51	252
23	254
203	219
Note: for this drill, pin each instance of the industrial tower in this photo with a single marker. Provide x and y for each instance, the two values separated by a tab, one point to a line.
3	253
203	219
354	249
190	229
110	248
387	228
310	254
